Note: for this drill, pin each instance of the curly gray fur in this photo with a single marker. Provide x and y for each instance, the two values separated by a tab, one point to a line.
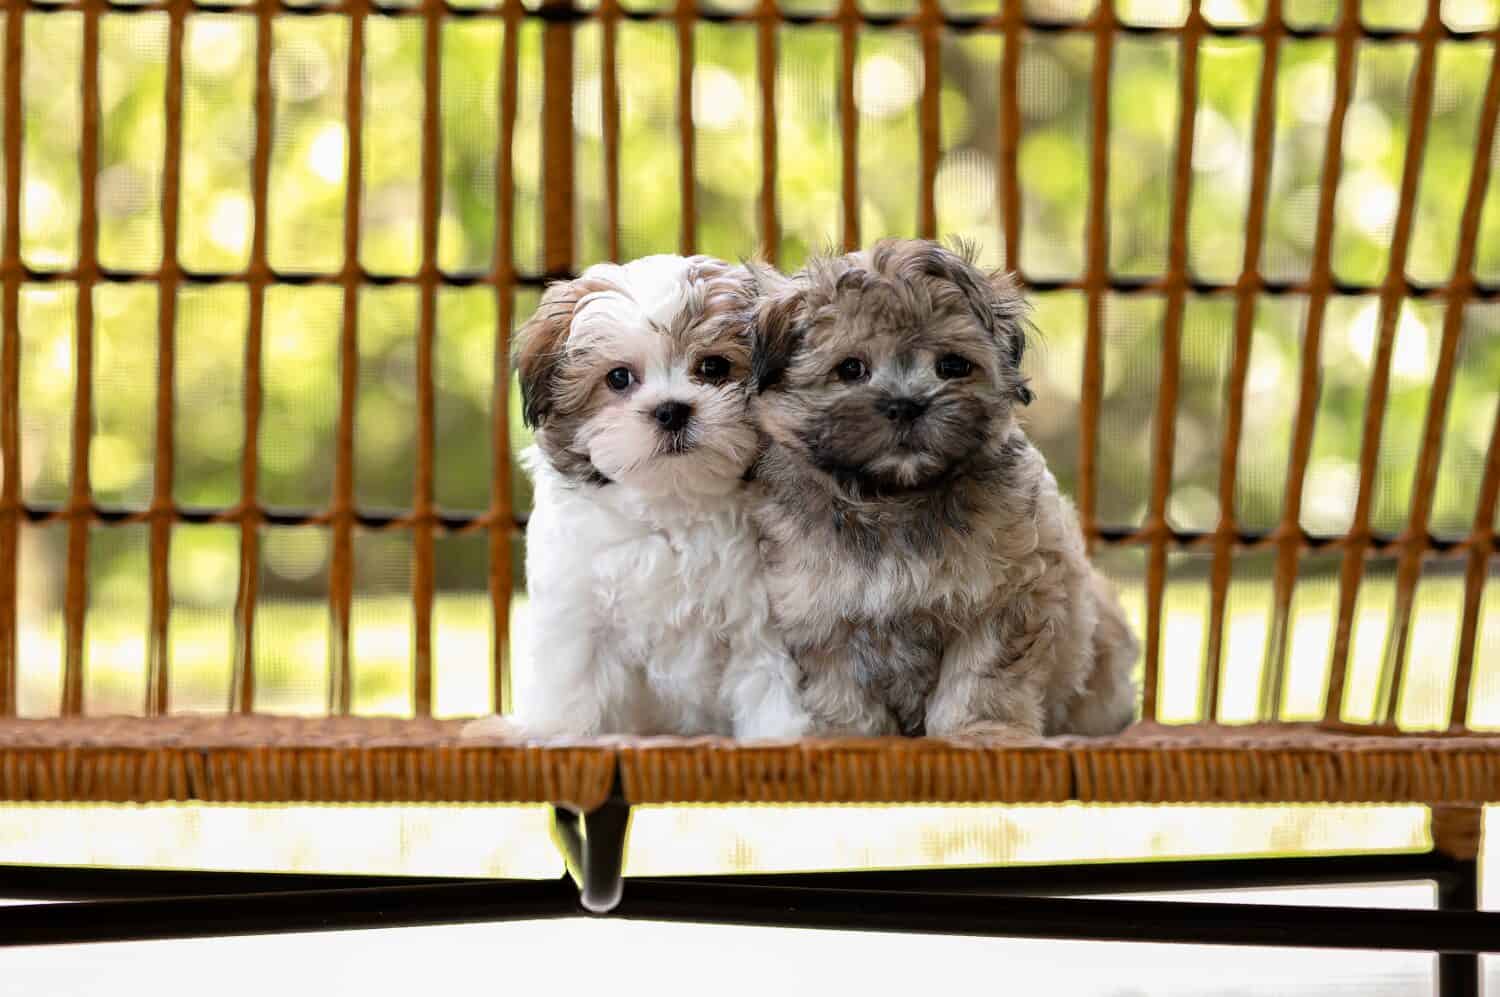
927	574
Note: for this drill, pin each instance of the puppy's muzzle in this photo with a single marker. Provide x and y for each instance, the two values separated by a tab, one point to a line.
672	416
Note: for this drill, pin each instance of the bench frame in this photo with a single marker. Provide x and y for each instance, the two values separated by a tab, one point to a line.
1052	901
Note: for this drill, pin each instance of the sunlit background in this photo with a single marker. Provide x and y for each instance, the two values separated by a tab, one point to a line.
302	328
300	370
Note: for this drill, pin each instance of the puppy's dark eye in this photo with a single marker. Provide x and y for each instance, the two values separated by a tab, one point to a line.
851	369
952	366
714	368
619	379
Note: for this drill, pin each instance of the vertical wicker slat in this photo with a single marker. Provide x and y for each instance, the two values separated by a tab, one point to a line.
765	55
242	692
1246	292
1007	176
1095	280
502	530
557	143
848	20
929	123
502	505
557	149
1424	483
424	505
687	146
1171	348
10	367
1289	536
158	648
80	493
341	564
1392	291
609	14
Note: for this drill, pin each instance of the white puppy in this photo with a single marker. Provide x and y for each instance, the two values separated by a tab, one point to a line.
642	566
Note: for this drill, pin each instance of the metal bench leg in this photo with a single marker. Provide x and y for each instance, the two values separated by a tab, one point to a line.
1458	975
1457	833
593	845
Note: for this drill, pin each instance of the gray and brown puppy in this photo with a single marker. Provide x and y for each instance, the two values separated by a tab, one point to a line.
927	574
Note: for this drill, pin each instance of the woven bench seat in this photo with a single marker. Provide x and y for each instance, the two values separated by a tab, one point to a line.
271	759
259	759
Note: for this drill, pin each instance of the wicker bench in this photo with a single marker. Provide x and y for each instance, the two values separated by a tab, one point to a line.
243	756
593	785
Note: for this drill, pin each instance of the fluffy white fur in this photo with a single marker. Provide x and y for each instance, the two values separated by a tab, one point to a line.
648	611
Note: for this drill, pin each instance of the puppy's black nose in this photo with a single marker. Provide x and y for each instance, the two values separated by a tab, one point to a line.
901	409
673	415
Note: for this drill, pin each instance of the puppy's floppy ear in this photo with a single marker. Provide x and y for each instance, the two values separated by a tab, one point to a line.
774	330
1011	316
539	348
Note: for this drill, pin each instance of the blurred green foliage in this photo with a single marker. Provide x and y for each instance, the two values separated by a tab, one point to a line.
308	193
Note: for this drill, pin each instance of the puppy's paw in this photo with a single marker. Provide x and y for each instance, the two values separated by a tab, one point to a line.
496	727
995	732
